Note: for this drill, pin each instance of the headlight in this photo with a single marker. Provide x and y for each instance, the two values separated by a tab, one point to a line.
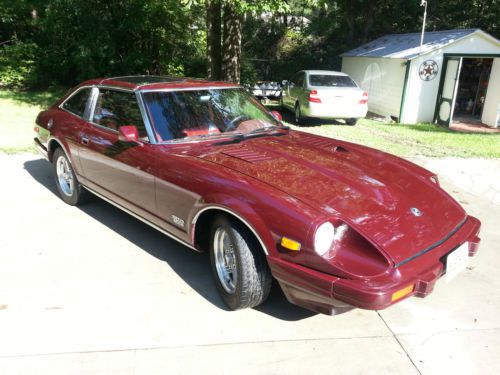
323	238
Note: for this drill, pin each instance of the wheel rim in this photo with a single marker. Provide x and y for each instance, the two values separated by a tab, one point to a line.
65	176
297	114
225	260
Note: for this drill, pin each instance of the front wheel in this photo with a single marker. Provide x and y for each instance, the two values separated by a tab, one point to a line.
239	267
351	121
70	190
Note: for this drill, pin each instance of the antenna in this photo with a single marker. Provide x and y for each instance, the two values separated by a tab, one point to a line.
423	4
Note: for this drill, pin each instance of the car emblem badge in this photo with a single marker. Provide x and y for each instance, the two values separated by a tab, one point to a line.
177	220
415	211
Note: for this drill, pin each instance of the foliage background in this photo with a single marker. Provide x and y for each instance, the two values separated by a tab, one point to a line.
62	42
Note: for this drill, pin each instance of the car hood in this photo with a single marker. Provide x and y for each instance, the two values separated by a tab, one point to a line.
372	191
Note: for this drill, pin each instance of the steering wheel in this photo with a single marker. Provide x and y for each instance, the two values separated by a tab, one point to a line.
233	124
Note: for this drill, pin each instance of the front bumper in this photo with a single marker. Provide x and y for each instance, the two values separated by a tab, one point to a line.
328	294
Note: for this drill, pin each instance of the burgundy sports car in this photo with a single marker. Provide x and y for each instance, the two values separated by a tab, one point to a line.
338	225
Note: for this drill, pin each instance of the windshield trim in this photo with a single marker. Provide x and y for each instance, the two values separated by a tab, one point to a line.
195	88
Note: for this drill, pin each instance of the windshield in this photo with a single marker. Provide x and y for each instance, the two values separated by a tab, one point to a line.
330	80
205	113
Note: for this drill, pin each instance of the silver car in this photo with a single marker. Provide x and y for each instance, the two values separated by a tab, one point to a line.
324	94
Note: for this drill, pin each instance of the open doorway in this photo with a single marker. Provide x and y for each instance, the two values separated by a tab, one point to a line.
471	90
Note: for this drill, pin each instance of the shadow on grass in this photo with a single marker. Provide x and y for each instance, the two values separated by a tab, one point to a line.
39	98
289	117
192	267
424	127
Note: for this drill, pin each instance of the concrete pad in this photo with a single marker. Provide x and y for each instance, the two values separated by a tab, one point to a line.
456	352
91	290
376	356
96	279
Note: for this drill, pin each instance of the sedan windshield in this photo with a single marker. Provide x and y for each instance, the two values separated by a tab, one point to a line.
331	80
205	113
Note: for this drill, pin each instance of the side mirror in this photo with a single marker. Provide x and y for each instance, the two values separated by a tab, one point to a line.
284	82
129	133
277	115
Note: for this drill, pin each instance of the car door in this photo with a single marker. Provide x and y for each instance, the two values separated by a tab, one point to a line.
122	171
299	89
71	120
296	89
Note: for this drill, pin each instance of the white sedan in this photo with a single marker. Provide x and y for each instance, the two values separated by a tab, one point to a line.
324	94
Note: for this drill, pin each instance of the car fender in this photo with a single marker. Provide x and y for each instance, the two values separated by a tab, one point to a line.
53	143
238	209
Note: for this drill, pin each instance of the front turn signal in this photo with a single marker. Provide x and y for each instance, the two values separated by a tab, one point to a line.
402	292
289	244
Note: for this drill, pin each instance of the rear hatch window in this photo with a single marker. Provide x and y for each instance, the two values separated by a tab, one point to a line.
330	80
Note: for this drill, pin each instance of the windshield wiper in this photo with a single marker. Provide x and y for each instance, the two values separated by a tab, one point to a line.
260	132
268	130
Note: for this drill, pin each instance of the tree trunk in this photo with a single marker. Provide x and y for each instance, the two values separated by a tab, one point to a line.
368	17
214	39
231	47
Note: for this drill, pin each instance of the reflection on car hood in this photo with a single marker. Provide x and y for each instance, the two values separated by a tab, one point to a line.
372	191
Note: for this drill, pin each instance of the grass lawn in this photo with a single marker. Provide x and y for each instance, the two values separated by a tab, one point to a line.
407	140
18	111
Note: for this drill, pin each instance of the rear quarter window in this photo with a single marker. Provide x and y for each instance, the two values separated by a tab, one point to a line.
77	103
331	80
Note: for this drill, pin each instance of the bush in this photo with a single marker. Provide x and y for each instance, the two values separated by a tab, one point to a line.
17	63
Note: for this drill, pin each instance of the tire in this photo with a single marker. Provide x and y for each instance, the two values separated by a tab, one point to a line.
351	121
239	266
70	190
298	114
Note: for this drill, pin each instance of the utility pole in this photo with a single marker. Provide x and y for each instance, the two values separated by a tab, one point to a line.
423	4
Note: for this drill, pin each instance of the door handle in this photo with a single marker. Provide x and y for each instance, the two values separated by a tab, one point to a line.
85	140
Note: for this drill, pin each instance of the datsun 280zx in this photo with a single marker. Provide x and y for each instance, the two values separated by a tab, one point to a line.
337	224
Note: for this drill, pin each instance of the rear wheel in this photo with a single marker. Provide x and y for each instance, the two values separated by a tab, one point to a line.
239	267
70	190
351	121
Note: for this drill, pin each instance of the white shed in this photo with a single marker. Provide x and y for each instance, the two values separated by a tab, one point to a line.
456	75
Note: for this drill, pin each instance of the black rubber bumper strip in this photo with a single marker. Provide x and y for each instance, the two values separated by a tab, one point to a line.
427	249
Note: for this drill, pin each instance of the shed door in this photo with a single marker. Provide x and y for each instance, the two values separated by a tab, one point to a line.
446	99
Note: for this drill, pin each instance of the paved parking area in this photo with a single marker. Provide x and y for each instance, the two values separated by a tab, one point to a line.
92	290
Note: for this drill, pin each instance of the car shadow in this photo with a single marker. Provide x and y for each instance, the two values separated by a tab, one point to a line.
289	118
192	267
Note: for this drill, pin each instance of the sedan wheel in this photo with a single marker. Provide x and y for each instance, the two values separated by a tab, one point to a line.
67	184
298	114
238	264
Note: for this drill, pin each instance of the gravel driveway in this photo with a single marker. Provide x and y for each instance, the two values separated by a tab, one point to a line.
91	290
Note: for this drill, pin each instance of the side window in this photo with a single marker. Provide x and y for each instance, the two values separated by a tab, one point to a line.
118	108
77	103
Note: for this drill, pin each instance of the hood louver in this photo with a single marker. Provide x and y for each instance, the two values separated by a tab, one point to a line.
251	156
